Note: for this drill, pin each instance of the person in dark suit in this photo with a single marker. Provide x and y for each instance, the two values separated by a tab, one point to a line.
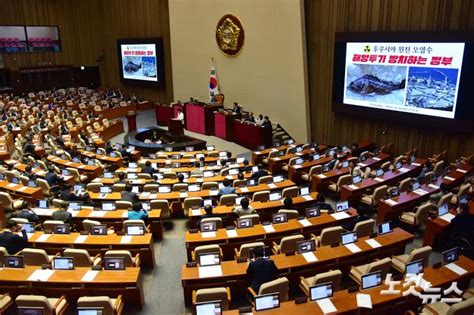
463	223
266	122
236	109
362	215
52	178
208	214
28	147
246	167
148	169
251	118
63	215
128	194
67	194
108	148
12	242
261	270
321	203
26	213
28	173
261	172
355	150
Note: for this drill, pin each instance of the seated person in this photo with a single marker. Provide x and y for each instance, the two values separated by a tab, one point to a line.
209	214
137	213
26	213
288	204
427	167
122	178
260	173
227	189
434	198
148	169
362	215
180	114
463	223
244	208
246	167
321	203
251	118
128	194
261	270
67	194
180	178
197	169
12	242
52	178
29	173
355	170
63	215
355	150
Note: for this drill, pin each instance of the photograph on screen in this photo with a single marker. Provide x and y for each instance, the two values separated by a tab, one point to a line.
43	38
418	78
12	39
139	62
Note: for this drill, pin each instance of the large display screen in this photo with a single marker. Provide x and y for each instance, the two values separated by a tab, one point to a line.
141	60
421	78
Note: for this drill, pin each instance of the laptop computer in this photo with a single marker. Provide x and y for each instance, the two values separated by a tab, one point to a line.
267	301
345	164
371	280
163	189
306	246
379	172
251	182
348	238
450	255
132	165
414	268
63	263
32	184
274	196
415	185
194	187
208	226
278	179
98	229
321	291
90	311
312	212
108	175
342	206
385	228
136	189
304	191
279	218
209	259
356	179
28	227
14	261
30	310
244	223
108	206
132	175
61	229
135	230
75	205
105	189
209	308
114	263
43	204
443	209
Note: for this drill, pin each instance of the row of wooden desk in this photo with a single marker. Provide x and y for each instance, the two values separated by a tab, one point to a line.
382	303
233	274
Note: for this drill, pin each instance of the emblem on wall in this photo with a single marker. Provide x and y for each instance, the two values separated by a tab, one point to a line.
230	35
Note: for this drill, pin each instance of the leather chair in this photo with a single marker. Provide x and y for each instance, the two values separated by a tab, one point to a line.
261	196
404	185
418	217
280	286
218	221
123	205
268	179
314	170
151	188
382	265
228	199
180	187
5	302
9	205
109	305
255	218
378	194
291	192
290	214
205	249
191	202
209	185
162	205
244	251
364	228
343	180
129	260
87	224
221	294
94	187
399	262
81	257
329	236
441	308
333	276
36	257
287	244
49	306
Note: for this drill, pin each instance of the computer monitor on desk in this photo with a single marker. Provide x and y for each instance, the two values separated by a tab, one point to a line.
209	259
371	280
209	308
267	301
414	267
321	291
30	310
90	311
385	228
342	206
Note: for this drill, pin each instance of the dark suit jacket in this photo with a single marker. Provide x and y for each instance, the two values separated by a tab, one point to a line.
12	242
129	196
69	196
52	179
324	206
25	214
148	170
62	215
259	174
462	224
29	148
261	271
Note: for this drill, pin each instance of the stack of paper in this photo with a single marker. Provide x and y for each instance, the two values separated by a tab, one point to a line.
244	190
41	275
308	197
43	238
305	222
378	179
376	158
208	234
364	300
90	275
353	248
232	233
456	269
340	215
126	239
23	188
309	257
449	178
404	169
272	186
97	214
269	228
353	187
461	170
322	176
210	271
373	243
433	186
391	202
326	306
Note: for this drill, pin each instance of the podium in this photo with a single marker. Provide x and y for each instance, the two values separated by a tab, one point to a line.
200	118
250	135
163	114
175	127
223	122
132	121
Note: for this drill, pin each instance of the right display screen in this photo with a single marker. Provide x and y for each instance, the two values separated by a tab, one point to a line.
419	78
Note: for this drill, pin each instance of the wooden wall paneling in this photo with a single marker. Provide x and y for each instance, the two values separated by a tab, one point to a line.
325	17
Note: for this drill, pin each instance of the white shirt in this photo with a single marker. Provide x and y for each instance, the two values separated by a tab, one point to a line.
180	116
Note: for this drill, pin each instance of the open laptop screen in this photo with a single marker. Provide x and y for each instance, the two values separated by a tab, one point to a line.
267	301
209	308
371	280
451	255
321	291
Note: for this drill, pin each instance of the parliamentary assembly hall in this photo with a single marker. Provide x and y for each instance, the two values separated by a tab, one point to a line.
211	157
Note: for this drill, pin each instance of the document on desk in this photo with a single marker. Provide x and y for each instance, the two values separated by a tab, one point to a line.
80	239
213	192
42	211
43	238
199	180
447	217
268	228
145	194
90	275
353	248
272	186
11	185
326	306
456	269
304	222
97	214
322	176
153	196
183	195
276	159
126	239
420	192
378	179
125	214
362	165
208	234
415	164
232	233
23	188
373	243
353	187
195	212
340	215
376	158
69	163
433	186
449	178
391	202
309	257
461	170
210	271
307	197
41	275
244	190
364	300
404	169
